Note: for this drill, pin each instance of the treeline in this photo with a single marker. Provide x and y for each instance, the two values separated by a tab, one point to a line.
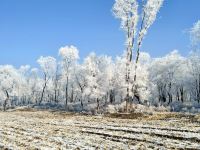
101	80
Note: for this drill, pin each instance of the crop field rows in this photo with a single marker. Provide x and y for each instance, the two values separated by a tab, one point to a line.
54	130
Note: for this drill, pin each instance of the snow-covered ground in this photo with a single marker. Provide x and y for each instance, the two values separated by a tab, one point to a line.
58	130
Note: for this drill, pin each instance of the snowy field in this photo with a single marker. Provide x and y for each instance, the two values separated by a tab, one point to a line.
29	129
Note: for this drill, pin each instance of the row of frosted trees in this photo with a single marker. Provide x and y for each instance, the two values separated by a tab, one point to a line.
100	80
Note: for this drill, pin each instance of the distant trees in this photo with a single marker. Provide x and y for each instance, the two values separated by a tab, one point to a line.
194	60
194	64
164	73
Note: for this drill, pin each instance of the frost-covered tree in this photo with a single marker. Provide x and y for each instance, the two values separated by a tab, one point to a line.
70	55
149	13
127	12
164	72
24	86
9	81
143	81
194	65
48	66
81	83
57	83
195	35
194	60
113	84
93	89
35	84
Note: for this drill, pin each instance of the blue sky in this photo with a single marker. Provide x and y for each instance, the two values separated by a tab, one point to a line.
31	28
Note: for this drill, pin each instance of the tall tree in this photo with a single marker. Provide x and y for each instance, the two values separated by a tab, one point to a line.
127	12
48	66
70	55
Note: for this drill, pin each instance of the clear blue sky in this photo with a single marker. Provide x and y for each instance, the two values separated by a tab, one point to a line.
31	28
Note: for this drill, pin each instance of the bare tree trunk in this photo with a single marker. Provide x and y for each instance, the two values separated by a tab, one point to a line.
128	63
199	90
127	99
82	104
6	101
112	96
43	89
169	93
159	94
56	82
135	86
55	91
66	95
177	96
55	96
81	96
98	105
182	94
72	95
